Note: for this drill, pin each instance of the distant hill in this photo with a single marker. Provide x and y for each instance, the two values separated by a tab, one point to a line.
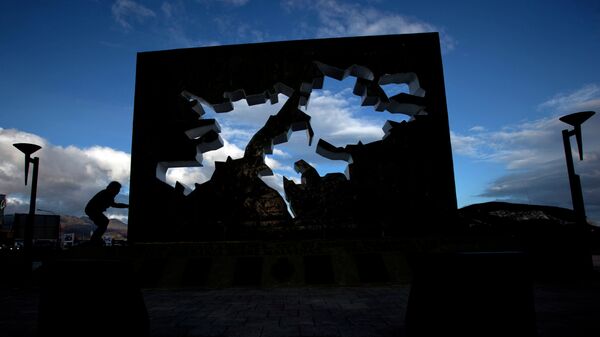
511	218
83	227
496	211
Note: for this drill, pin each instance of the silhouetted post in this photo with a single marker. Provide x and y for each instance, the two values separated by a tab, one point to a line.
575	119
28	149
32	202
574	181
580	253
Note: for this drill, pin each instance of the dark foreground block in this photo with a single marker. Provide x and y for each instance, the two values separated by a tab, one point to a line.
471	294
318	270
248	271
196	272
371	268
87	297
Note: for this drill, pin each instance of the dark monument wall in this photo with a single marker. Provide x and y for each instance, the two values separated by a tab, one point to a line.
161	115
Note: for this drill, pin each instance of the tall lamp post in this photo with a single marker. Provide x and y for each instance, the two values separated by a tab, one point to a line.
28	149
575	120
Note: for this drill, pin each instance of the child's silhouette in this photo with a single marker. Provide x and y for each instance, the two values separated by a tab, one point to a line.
97	205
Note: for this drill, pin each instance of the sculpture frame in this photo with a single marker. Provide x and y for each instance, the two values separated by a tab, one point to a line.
257	72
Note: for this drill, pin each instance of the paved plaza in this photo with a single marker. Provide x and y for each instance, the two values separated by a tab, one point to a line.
568	309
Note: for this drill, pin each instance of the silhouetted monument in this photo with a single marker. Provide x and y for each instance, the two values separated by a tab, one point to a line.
400	183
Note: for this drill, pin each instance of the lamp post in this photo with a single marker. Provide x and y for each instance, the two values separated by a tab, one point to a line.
575	120
28	149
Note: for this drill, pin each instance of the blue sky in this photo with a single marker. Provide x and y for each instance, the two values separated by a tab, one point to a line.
67	78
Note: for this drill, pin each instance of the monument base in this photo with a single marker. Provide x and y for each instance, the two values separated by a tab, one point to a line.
347	262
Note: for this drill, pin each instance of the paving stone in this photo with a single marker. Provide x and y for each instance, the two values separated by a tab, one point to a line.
244	331
320	331
360	331
207	331
296	320
230	321
252	315
281	331
561	310
330	319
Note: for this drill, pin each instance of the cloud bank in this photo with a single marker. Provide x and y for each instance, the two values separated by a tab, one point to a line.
126	11
337	18
175	22
533	154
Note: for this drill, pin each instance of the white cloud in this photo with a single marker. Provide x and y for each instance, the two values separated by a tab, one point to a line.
477	128
465	145
279	153
238	31
275	182
337	120
585	98
221	154
121	217
174	23
115	163
124	11
235	2
520	146
189	176
273	163
178	26
167	9
68	176
337	18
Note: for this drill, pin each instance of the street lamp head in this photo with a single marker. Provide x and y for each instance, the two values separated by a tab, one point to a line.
27	149
576	119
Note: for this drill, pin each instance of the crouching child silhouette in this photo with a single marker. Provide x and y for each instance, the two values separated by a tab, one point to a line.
97	205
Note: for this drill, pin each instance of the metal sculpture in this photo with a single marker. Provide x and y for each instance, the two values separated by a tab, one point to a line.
398	182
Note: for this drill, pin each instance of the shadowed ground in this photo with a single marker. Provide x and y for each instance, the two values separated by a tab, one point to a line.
567	309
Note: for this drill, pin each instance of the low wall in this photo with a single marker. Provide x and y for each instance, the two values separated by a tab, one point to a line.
348	262
270	264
